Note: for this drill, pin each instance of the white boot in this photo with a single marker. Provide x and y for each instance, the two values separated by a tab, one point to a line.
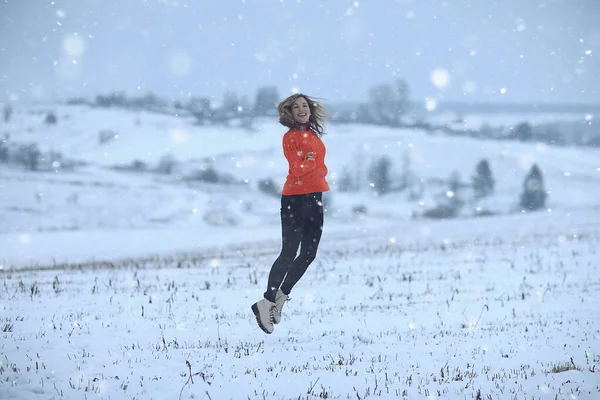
263	310
280	300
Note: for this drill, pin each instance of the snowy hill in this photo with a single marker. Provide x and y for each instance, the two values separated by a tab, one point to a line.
114	183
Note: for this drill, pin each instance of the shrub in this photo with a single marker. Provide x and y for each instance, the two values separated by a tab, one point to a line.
106	135
50	119
166	164
444	211
359	209
208	174
219	218
483	213
268	186
135	166
139	166
524	131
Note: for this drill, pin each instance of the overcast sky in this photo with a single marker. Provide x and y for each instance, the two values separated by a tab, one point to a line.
473	50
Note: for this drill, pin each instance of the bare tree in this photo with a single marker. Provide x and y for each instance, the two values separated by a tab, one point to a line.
266	100
390	102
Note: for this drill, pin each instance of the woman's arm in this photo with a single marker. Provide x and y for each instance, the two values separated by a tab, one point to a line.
299	163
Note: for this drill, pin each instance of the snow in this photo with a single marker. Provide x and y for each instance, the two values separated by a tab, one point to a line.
440	77
119	285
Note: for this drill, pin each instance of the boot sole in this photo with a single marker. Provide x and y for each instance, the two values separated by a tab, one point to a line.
260	325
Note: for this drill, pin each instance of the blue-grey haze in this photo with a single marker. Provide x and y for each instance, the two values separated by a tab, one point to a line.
482	50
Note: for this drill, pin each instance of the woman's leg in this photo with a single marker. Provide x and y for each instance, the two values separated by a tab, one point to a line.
311	236
291	234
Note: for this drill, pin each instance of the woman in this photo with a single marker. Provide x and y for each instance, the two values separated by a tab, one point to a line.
301	203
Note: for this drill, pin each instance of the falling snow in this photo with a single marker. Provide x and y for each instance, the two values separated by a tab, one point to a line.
143	183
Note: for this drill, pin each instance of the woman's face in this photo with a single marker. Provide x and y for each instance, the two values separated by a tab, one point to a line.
301	111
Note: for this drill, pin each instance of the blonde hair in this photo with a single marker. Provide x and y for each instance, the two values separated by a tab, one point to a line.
317	113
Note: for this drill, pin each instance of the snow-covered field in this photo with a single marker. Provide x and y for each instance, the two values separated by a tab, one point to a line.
124	285
491	313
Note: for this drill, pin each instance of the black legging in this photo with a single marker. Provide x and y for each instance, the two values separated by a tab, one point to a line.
301	224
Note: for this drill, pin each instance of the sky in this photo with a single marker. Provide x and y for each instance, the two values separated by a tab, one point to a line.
476	51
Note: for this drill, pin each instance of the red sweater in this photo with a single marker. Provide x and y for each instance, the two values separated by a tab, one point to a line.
304	176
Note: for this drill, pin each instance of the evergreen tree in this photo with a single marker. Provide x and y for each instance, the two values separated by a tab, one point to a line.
4	153
534	195
524	132
483	181
345	183
380	174
7	112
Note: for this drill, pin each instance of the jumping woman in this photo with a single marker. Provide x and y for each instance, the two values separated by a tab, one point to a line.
301	203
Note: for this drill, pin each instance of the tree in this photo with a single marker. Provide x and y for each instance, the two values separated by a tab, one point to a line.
381	98
380	174
29	155
4	153
8	111
166	164
364	114
245	113
454	200
266	100
230	103
524	131
111	100
483	181
269	187
407	178
345	182
148	101
390	102
454	182
200	108
534	195
403	99
244	105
